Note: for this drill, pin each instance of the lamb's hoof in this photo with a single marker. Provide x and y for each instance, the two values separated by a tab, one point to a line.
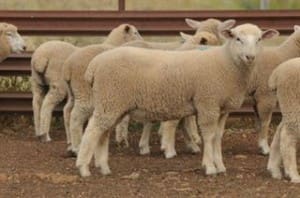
84	171
44	138
170	154
275	173
221	169
210	170
194	149
295	180
144	150
264	148
105	171
71	154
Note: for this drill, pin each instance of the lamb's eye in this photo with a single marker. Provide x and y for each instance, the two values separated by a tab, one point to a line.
239	40
259	40
8	33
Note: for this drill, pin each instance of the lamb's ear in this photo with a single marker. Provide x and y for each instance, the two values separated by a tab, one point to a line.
193	23
185	36
227	33
296	28
203	41
228	24
127	28
269	34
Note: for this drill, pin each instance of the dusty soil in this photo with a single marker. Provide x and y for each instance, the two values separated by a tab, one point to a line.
29	168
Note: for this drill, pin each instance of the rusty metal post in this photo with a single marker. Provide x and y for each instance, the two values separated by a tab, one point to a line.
121	5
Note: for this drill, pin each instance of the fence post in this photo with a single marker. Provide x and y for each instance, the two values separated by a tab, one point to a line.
121	5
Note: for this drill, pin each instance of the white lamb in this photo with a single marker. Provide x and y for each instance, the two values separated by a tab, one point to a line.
10	41
285	82
265	101
164	85
74	68
47	68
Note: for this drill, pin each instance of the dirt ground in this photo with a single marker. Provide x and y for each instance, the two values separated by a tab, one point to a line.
29	168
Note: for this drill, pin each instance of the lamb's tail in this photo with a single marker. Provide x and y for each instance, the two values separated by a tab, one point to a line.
273	80
89	74
38	69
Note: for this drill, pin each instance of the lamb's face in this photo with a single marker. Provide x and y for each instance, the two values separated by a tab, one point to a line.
131	33
12	38
245	42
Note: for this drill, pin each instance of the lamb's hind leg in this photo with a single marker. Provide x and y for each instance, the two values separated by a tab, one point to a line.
38	93
288	140
275	160
79	115
99	124
122	131
218	158
191	135
145	139
67	114
168	130
54	96
264	108
101	154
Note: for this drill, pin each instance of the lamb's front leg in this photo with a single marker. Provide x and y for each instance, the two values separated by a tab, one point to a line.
207	121
218	158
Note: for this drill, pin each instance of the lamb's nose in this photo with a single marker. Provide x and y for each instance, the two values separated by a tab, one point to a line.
250	57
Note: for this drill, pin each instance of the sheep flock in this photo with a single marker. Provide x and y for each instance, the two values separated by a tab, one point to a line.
197	81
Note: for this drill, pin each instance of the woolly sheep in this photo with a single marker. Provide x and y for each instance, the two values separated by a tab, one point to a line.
47	65
76	65
74	68
285	81
265	102
10	41
166	85
47	85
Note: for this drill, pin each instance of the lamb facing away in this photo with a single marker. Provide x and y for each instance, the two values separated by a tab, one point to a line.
166	85
265	101
47	85
74	68
47	68
285	81
10	41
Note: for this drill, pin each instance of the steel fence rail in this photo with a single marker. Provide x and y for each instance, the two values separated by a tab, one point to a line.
101	22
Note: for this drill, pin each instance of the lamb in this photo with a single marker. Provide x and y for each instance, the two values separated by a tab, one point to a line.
74	68
167	85
285	82
47	64
10	41
264	100
77	64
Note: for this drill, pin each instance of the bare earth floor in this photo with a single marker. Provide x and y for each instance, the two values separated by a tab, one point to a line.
29	168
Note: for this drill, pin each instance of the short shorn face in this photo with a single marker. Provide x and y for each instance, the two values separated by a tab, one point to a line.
10	34
131	33
245	42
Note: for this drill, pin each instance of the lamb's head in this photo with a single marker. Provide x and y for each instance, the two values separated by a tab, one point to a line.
11	41
200	38
244	42
122	34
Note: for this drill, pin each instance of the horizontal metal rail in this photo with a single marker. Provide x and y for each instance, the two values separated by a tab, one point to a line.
19	102
148	22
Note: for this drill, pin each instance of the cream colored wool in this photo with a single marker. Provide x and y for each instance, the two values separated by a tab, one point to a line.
265	102
74	68
285	82
10	41
163	85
